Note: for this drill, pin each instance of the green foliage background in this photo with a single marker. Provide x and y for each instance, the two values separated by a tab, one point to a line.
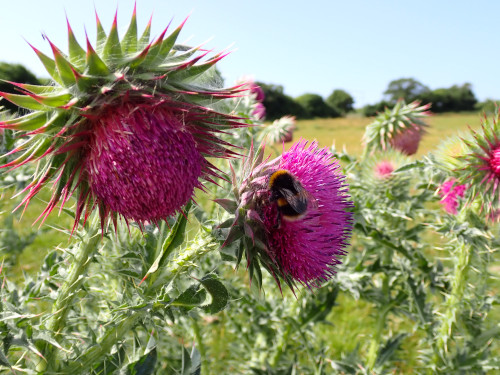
340	328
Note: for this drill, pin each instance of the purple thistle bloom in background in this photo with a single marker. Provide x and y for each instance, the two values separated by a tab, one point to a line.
259	111
400	128
257	91
450	192
309	248
384	169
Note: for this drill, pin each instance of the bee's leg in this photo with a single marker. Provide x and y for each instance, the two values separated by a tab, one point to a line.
278	221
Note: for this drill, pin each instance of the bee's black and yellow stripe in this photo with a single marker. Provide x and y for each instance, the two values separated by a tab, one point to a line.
288	193
281	176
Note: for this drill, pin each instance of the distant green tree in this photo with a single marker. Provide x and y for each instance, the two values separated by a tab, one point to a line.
489	106
370	110
408	89
278	104
454	99
14	73
315	106
341	101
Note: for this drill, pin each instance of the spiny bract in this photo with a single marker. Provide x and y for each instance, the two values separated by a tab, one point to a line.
127	125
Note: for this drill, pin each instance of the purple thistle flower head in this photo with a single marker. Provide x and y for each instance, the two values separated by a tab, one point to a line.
308	249
378	171
143	161
257	91
450	193
400	128
293	213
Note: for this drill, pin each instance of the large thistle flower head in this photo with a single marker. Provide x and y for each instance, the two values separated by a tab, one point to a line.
479	165
400	128
127	125
293	214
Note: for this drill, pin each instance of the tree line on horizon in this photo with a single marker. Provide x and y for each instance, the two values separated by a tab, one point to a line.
339	103
457	98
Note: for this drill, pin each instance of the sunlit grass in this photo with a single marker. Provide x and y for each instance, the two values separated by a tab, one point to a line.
349	131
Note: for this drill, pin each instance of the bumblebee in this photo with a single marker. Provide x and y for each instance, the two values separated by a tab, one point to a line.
291	198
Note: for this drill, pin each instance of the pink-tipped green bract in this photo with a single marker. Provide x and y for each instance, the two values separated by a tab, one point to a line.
126	126
400	128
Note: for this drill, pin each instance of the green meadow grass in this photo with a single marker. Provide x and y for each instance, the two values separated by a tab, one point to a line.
349	131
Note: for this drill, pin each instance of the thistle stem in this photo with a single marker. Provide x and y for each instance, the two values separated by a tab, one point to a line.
375	342
74	280
186	260
201	346
459	283
67	292
281	346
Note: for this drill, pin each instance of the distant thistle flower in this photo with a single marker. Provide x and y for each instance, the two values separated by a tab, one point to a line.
259	111
407	141
449	151
450	193
304	249
384	169
400	128
126	125
378	169
256	91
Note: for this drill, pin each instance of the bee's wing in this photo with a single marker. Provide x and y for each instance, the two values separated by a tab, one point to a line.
305	195
297	201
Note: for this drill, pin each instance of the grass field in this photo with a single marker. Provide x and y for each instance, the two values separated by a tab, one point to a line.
349	131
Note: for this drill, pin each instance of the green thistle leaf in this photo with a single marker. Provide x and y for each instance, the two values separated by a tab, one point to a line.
218	291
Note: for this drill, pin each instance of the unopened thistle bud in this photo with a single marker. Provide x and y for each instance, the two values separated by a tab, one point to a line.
400	128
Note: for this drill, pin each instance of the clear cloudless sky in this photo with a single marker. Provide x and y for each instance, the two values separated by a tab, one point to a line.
306	46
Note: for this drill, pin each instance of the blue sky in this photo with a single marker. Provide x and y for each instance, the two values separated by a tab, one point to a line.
306	46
